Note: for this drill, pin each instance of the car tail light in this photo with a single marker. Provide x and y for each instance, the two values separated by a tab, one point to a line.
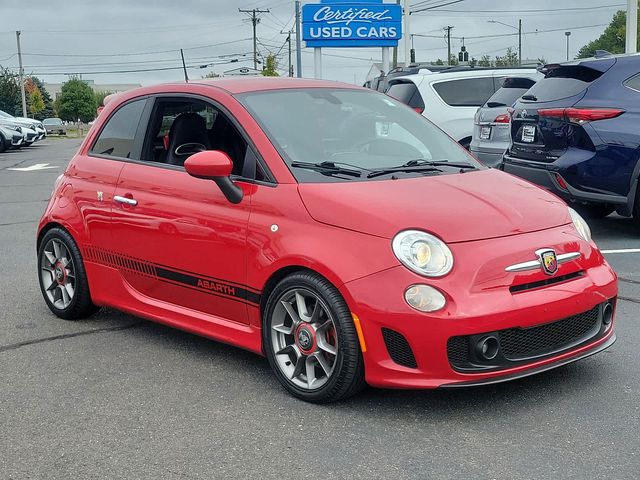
561	182
419	109
503	118
510	111
580	115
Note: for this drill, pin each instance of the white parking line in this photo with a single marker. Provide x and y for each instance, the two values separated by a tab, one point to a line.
624	250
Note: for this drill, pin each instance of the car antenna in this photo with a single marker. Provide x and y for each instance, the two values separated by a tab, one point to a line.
184	67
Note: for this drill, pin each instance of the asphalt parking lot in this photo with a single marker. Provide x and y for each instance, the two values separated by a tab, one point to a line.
119	397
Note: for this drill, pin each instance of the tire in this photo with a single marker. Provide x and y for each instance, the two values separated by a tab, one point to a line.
636	209
3	145
326	324
62	277
594	210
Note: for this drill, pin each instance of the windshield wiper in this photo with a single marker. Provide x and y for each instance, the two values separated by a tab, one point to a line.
329	168
420	165
496	104
530	97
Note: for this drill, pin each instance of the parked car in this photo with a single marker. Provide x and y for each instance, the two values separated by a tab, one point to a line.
10	137
327	227
30	123
491	133
55	125
451	97
576	134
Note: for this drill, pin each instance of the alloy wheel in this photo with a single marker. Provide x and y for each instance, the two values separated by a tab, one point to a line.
303	337
58	274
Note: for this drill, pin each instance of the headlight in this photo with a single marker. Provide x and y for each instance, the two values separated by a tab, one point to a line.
422	253
424	298
581	226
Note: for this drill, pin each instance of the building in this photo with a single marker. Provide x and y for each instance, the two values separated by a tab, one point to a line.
54	89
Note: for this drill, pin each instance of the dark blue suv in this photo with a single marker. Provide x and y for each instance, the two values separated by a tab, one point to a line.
577	133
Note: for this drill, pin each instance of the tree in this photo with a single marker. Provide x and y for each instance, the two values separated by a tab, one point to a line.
48	110
35	100
77	101
439	62
510	59
453	60
10	97
271	67
485	61
100	96
212	74
473	62
612	39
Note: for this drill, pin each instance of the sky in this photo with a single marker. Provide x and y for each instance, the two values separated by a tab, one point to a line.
124	36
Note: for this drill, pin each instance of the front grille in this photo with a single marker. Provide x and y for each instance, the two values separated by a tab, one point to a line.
545	283
518	345
398	348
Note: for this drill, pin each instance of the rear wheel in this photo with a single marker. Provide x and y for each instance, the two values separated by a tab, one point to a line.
636	208
594	210
62	277
310	340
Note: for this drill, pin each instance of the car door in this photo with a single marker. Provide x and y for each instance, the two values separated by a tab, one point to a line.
93	175
181	241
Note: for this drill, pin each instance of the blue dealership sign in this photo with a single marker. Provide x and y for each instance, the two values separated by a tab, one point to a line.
351	23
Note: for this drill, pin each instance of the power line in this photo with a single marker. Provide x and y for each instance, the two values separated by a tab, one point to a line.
255	19
518	12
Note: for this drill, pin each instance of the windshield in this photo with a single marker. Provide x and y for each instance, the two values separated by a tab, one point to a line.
355	129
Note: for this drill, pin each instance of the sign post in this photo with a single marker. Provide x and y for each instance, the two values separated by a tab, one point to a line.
351	23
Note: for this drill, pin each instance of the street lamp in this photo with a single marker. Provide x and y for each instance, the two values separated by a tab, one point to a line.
519	29
567	34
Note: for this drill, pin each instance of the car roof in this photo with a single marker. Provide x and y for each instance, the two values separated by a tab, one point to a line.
234	85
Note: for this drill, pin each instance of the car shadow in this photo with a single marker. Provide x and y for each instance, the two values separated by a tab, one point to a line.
621	228
552	387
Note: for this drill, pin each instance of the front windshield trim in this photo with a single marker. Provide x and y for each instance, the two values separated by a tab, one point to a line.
348	102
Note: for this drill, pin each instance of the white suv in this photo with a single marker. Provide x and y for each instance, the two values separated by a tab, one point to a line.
450	98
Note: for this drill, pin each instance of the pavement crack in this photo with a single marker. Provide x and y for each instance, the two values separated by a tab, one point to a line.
628	280
15	346
629	299
17	223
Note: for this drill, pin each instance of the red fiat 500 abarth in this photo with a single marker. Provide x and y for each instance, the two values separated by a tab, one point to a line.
327	227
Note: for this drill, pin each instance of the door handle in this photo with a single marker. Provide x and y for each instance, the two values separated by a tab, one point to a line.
125	200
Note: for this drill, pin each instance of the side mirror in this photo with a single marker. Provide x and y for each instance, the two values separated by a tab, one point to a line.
217	166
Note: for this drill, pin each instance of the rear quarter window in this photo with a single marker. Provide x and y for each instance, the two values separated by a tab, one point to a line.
117	138
466	92
633	83
563	82
407	93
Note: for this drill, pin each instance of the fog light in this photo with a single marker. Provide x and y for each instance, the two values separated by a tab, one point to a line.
424	298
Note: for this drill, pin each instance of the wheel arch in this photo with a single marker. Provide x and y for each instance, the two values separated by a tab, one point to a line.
51	225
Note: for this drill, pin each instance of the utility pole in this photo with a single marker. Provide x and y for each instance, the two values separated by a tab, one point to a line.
395	49
184	67
298	42
632	27
448	28
255	20
21	76
290	72
519	42
409	53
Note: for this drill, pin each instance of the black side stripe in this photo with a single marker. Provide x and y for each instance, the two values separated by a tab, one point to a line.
207	285
213	286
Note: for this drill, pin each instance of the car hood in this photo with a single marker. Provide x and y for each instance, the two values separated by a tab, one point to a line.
457	208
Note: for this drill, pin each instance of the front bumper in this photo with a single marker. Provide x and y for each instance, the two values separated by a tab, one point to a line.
479	300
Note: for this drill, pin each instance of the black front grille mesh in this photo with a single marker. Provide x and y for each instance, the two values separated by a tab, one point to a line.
521	344
398	348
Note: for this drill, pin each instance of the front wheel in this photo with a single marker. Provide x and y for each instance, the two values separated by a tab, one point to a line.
62	277
310	340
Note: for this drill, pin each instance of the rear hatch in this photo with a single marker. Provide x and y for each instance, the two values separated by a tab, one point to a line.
544	124
492	119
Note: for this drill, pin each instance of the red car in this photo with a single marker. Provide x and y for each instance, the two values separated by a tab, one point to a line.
327	227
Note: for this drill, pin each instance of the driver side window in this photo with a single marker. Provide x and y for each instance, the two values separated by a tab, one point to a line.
180	127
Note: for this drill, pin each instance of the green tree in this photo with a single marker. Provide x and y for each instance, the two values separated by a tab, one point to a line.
612	39
10	98
212	74
100	96
271	67
453	59
76	102
473	62
439	62
485	61
510	59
